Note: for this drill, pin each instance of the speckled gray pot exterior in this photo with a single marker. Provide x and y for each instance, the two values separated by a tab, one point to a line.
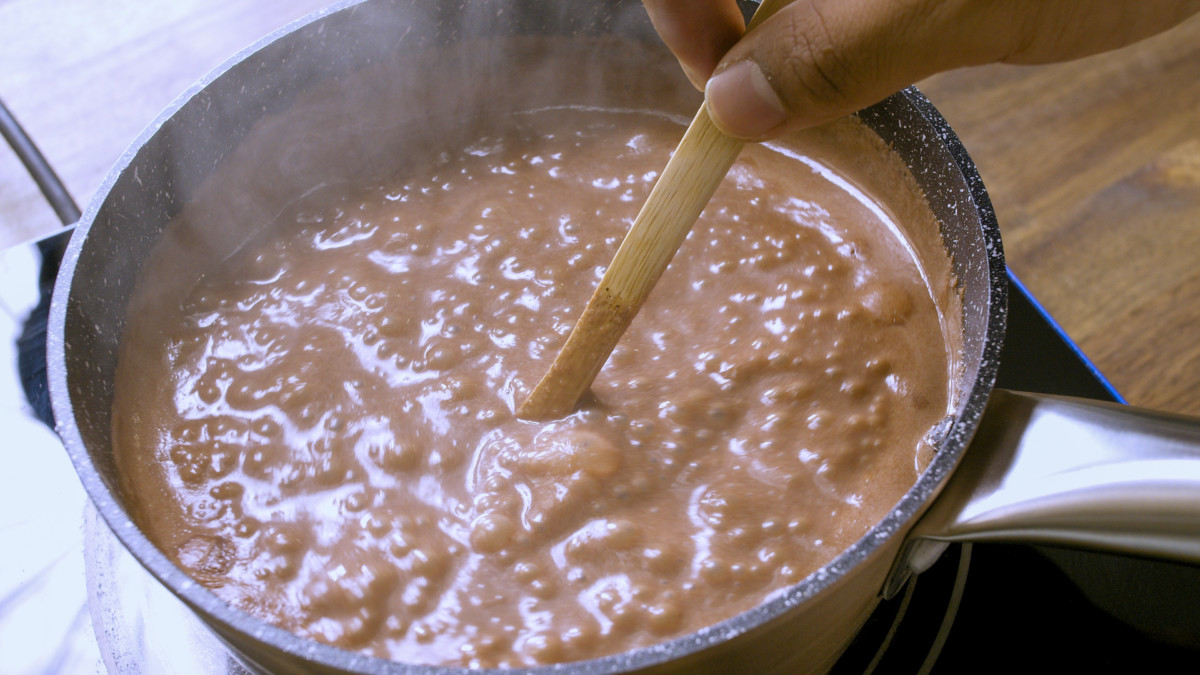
166	164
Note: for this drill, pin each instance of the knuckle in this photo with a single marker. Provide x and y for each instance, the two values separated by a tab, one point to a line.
816	67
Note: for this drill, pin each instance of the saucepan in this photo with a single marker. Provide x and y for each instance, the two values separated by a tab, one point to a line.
1008	466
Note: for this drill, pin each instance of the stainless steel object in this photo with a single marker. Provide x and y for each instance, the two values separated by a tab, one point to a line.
1056	470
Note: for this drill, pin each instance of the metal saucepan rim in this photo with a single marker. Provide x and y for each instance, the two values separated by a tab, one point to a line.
215	610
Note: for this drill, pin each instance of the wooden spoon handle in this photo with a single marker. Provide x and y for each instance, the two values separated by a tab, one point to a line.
680	194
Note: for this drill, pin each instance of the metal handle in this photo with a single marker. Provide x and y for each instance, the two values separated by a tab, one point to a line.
47	181
1055	470
31	345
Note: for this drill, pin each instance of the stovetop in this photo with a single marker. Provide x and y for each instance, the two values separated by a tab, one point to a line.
73	603
1039	609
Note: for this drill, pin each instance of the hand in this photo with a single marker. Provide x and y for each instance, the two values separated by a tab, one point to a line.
817	60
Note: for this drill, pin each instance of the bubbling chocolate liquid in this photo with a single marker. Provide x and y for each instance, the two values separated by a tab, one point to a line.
323	433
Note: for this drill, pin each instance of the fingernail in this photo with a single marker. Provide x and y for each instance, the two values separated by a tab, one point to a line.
742	102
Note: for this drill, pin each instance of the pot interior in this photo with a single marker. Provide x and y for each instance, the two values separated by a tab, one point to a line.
295	110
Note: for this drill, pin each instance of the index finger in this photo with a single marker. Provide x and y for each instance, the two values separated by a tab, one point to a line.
698	32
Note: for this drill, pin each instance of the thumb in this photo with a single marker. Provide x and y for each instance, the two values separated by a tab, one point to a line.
817	60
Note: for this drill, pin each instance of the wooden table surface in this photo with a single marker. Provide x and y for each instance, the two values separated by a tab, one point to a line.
1093	166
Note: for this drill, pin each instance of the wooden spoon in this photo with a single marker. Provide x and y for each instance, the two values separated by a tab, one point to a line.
680	194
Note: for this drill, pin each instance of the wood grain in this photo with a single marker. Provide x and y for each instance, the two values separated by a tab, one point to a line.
1093	166
84	78
1094	169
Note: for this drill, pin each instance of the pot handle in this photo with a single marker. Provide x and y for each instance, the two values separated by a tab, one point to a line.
1074	472
31	345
